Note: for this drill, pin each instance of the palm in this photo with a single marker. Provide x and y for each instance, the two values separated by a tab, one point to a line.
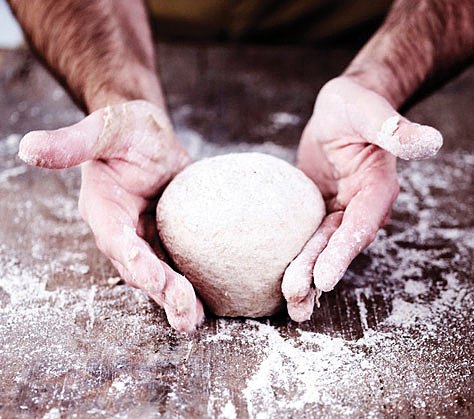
133	176
347	170
128	154
344	151
115	194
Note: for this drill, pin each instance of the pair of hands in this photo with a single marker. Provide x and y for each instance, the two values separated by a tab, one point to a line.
129	153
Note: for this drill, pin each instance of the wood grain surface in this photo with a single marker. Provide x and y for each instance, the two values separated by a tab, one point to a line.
394	339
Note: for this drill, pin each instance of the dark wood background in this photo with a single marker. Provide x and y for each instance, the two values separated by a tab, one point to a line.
394	339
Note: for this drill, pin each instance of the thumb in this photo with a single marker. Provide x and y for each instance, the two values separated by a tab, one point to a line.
374	119
64	147
408	140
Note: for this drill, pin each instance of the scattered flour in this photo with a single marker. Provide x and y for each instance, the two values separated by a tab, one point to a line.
300	373
7	174
220	405
415	288
282	119
120	384
54	413
9	145
406	313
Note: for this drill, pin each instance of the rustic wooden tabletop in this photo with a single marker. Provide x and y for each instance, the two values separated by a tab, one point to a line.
394	339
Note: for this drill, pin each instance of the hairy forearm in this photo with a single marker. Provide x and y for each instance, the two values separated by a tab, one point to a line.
417	39
101	50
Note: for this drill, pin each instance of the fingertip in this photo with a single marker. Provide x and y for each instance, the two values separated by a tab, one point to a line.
187	321
325	284
418	142
294	286
181	324
33	148
184	310
200	316
50	149
408	140
327	273
302	310
299	314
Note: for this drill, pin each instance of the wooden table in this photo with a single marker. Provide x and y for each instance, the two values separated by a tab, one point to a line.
394	339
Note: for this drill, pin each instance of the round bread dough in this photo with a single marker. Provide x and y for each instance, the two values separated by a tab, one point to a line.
233	223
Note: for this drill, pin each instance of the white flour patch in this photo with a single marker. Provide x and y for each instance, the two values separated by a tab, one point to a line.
300	369
7	174
119	385
415	288
224	332
220	402
283	119
9	145
54	413
228	411
90	308
312	369
79	268
405	314
408	314
360	295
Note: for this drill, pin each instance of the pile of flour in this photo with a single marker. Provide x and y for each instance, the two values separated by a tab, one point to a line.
404	311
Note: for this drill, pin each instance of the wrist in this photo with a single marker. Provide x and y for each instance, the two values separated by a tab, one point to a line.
398	58
139	84
379	70
380	82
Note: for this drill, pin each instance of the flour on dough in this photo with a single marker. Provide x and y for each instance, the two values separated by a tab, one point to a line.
233	223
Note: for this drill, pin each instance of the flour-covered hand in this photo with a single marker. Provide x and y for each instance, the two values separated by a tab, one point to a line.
349	149
128	153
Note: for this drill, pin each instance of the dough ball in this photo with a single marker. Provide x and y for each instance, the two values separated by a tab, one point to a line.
233	223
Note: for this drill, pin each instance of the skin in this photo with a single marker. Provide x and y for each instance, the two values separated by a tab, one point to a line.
101	50
342	152
128	153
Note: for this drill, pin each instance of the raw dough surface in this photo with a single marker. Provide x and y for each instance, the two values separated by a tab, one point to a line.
233	223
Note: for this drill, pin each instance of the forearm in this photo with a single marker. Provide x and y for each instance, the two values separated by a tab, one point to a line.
417	39
101	50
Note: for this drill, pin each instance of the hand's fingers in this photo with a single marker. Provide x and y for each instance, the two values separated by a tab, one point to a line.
407	140
174	284
116	236
145	271
106	133
64	147
302	310
147	230
298	277
373	119
362	219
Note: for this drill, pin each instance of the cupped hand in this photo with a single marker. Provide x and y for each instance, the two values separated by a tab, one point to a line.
349	149
128	154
